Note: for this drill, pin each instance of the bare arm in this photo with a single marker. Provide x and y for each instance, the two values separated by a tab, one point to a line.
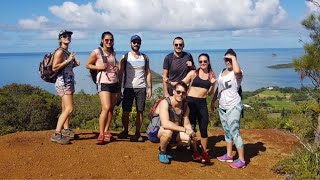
92	61
235	65
59	61
164	82
187	123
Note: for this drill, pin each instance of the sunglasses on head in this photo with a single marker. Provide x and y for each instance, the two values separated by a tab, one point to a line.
177	45
136	42
66	35
181	92
204	61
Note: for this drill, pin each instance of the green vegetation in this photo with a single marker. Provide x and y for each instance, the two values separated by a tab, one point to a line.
305	163
281	66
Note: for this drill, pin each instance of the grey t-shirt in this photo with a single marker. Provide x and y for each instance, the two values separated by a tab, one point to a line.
176	66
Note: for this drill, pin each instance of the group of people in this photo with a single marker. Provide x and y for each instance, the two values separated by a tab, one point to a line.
185	95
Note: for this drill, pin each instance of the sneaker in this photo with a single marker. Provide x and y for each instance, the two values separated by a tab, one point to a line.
196	156
123	135
238	164
68	133
100	140
163	158
205	157
107	136
59	138
225	158
136	138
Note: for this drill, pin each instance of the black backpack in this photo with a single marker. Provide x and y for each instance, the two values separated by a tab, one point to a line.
93	73
45	67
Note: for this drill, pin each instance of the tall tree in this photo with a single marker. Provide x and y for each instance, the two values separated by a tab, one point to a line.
308	65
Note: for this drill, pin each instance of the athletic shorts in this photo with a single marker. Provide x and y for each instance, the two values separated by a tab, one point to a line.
112	88
137	94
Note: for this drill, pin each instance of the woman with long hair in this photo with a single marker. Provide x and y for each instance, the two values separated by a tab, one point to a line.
230	107
201	85
103	60
63	63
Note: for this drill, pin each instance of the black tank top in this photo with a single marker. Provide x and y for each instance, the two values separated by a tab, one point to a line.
198	82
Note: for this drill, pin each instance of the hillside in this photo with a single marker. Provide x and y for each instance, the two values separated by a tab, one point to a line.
30	155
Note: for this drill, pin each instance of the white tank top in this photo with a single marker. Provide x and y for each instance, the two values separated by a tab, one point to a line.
135	72
228	90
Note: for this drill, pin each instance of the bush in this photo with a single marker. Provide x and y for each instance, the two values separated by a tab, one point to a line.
27	108
302	165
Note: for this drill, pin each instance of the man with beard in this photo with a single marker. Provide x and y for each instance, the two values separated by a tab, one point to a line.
176	66
134	66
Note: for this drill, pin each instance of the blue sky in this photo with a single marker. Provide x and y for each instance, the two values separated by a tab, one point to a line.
204	24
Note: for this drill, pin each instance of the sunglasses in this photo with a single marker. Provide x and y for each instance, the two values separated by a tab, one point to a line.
177	45
227	59
136	42
66	35
204	61
108	40
181	92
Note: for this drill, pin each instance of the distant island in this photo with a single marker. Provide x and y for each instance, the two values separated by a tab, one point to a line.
156	78
281	66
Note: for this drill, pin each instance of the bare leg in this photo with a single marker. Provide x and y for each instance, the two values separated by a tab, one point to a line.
241	153
67	103
139	122
229	148
204	144
125	120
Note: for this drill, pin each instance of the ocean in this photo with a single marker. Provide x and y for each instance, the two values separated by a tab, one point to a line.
22	68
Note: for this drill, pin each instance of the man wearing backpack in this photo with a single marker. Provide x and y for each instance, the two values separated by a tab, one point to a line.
176	66
175	126
137	75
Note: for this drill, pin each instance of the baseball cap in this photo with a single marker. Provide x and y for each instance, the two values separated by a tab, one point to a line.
135	37
63	32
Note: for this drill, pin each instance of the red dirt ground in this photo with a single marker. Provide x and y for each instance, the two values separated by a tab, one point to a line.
30	155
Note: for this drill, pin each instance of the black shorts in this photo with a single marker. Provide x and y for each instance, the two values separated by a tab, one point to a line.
137	94
112	88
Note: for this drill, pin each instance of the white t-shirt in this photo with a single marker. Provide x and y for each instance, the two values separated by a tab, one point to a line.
135	69
228	90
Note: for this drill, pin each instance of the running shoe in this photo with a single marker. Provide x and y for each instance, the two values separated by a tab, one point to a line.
238	164
225	158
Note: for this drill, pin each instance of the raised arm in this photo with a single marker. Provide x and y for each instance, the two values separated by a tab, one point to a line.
59	61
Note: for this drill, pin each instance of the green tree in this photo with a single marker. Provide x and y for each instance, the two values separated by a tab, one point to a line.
308	65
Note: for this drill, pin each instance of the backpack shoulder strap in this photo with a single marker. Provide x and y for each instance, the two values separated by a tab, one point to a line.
146	61
104	58
125	59
170	59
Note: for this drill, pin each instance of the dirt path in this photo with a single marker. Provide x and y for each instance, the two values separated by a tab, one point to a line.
30	155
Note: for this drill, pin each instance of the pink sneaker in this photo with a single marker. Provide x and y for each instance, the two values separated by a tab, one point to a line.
225	158
107	136
238	164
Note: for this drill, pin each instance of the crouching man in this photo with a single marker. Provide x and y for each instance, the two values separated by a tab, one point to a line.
174	123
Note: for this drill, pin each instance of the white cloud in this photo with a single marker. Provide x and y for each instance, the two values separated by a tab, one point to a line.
37	23
313	7
165	15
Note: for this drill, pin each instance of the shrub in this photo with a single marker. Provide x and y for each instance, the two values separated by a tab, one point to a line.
23	107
